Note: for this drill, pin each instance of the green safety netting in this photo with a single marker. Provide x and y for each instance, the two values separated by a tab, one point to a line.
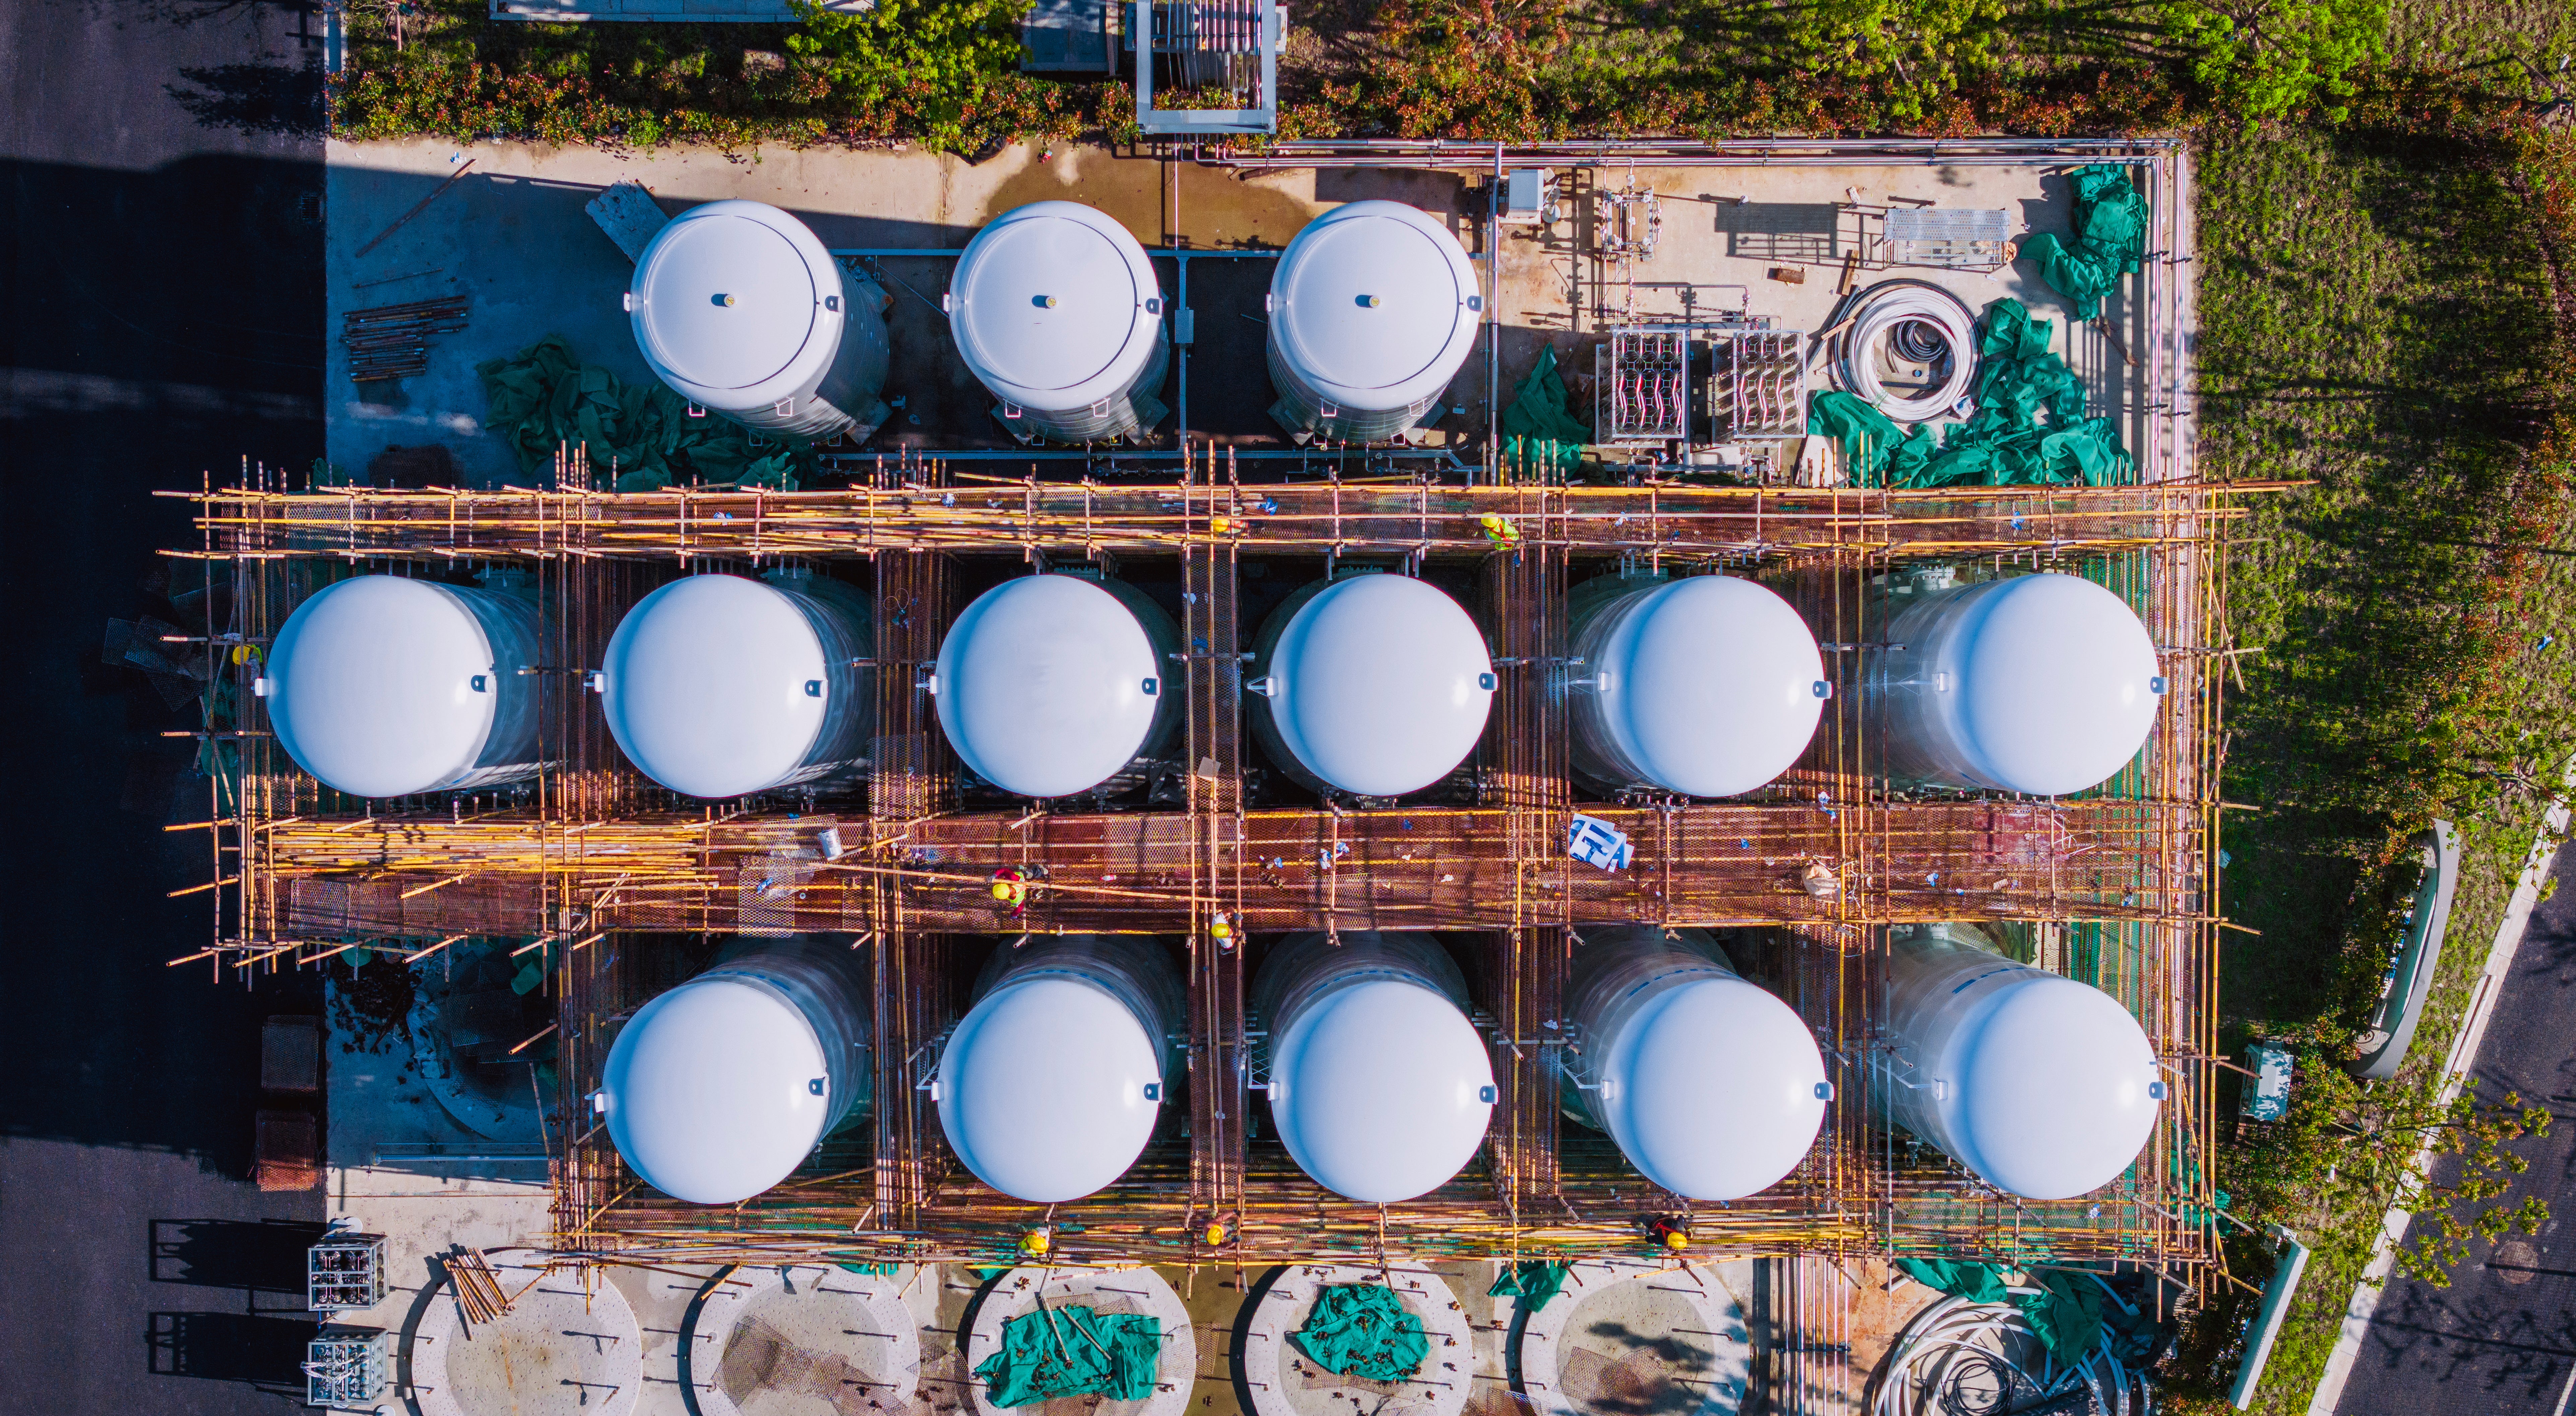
1363	1330
1539	431
2003	443
1074	1352
543	397
1533	1281
2071	1311
2110	239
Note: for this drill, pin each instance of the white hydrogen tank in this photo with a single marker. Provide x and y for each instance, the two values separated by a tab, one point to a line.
1706	686
742	311
1380	1086
2040	1085
1713	1088
383	686
719	686
1055	308
2044	684
1050	685
1054	1081
721	1087
1373	307
1370	683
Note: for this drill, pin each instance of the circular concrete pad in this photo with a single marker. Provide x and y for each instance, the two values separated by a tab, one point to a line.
1286	1382
1633	1338
1133	1290
802	1340
563	1349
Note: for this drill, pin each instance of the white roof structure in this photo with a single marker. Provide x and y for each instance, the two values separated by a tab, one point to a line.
1714	1089
716	686
737	305
383	686
1381	1089
715	1091
1380	684
1710	686
2054	1089
1049	1088
1055	306
1374	305
2057	684
1047	685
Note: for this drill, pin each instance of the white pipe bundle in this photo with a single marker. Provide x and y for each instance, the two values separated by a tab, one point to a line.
1958	1358
1913	311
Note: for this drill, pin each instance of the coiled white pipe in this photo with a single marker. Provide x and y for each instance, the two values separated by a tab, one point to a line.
1873	320
1917	1373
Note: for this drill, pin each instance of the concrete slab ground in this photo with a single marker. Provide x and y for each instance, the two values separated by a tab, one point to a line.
511	234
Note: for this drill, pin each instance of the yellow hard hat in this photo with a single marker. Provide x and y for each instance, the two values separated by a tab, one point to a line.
1036	1241
1216	1234
1676	1238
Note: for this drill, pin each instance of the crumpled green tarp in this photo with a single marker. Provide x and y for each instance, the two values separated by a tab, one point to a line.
2072	1312
1533	1281
544	397
1538	429
2003	443
1074	1352
1363	1330
2110	239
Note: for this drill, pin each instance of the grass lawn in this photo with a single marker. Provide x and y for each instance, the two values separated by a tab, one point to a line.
2378	317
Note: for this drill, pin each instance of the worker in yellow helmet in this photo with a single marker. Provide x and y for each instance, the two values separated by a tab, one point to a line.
1499	530
1010	889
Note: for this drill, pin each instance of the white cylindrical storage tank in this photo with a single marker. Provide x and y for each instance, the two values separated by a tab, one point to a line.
2044	684
720	686
1373	307
1052	684
1713	1087
2042	1086
1370	683
1380	1086
1708	686
1054	1081
1056	309
719	1088
740	309
384	686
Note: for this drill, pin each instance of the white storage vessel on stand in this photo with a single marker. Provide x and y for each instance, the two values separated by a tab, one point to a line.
383	686
721	1087
1707	686
1380	1086
741	310
1050	685
1370	683
2044	684
1373	308
719	686
2040	1085
1056	308
1053	1083
1712	1087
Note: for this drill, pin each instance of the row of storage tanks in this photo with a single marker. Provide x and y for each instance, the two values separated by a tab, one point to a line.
1057	310
1379	1086
1370	683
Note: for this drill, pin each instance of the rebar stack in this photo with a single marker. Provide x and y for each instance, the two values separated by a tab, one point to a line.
392	341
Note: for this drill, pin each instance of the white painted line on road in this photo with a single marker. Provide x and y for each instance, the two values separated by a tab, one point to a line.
2464	1050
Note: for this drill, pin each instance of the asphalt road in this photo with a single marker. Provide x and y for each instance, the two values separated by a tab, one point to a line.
2502	1338
160	276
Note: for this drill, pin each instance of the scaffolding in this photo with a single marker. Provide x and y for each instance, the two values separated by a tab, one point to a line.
2114	886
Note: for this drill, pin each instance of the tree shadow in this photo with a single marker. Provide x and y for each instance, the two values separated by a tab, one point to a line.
256	100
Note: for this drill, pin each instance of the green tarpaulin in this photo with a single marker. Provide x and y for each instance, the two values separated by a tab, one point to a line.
1539	431
543	397
1533	1281
2071	1311
2004	442
2110	239
1074	1352
1363	1330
